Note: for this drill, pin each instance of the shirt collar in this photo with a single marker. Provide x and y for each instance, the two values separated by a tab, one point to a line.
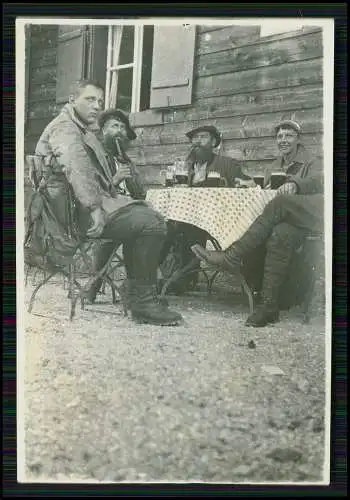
300	157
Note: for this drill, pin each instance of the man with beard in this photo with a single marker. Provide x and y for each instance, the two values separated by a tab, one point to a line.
300	212
76	157
201	160
116	134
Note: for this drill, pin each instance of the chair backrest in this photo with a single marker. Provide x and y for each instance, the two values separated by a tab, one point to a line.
36	168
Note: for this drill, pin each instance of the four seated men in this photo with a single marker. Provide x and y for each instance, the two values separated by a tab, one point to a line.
111	205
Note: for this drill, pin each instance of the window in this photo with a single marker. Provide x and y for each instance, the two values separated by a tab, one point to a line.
148	67
129	67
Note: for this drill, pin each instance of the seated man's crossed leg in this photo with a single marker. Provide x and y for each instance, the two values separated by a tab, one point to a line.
142	232
283	224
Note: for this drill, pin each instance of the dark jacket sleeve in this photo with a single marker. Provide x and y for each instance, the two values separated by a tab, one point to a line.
67	146
310	185
135	184
232	169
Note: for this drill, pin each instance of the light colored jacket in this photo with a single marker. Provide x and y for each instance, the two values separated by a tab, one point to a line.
300	167
81	157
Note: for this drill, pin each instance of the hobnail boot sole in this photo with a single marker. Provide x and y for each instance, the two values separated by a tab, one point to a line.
143	321
262	325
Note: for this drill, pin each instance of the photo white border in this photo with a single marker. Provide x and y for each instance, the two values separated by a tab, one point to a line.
289	24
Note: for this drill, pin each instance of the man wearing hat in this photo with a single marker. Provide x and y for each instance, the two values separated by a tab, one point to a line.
271	241
293	159
302	212
201	160
115	133
103	211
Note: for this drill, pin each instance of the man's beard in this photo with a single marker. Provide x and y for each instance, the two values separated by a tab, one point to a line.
201	155
110	142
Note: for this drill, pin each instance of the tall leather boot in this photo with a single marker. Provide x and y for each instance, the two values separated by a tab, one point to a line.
130	275
143	300
279	251
146	308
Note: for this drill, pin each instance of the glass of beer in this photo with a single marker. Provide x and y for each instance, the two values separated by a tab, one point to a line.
277	179
181	174
259	180
213	179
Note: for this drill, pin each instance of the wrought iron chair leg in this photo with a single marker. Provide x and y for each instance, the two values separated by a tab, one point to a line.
211	282
37	288
248	293
177	275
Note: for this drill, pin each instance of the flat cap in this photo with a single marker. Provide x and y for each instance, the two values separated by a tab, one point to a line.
288	124
206	128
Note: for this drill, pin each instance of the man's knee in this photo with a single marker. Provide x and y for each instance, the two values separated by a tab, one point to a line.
285	235
154	222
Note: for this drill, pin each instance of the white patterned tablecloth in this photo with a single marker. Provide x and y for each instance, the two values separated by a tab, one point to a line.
224	213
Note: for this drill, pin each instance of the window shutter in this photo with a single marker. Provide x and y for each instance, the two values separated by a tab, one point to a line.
97	60
172	66
71	59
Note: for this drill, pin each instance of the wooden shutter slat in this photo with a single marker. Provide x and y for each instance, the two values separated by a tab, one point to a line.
172	66
70	60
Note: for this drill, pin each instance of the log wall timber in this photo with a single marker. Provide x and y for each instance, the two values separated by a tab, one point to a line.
42	83
243	85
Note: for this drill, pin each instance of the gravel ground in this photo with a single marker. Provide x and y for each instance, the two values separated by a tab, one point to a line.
210	401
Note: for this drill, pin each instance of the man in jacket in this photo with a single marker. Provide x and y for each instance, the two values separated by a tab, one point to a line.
116	134
293	159
79	156
301	210
202	160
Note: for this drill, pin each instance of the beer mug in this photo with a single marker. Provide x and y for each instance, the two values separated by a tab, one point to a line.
213	179
259	180
181	174
277	179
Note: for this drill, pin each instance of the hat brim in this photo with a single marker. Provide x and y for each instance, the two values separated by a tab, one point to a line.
211	130
114	113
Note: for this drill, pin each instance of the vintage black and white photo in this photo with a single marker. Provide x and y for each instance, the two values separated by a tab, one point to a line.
174	249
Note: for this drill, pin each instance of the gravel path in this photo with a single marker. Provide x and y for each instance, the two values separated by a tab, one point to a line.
210	401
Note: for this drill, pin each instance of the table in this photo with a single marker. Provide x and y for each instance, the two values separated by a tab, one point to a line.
224	213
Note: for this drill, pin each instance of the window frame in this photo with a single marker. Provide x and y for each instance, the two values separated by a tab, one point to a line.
136	65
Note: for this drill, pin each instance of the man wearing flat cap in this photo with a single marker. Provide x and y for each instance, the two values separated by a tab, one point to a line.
104	208
269	245
293	159
201	162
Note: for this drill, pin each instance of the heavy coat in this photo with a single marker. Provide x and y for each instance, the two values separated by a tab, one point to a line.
301	166
80	156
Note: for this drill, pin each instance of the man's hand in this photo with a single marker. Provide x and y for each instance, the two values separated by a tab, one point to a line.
288	188
241	183
124	172
99	219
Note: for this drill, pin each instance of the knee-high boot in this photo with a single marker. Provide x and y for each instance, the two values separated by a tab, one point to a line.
279	250
142	289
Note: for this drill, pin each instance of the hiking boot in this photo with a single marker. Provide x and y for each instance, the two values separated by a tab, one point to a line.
262	317
146	307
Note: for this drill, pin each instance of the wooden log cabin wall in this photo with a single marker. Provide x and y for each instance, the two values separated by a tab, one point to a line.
242	83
